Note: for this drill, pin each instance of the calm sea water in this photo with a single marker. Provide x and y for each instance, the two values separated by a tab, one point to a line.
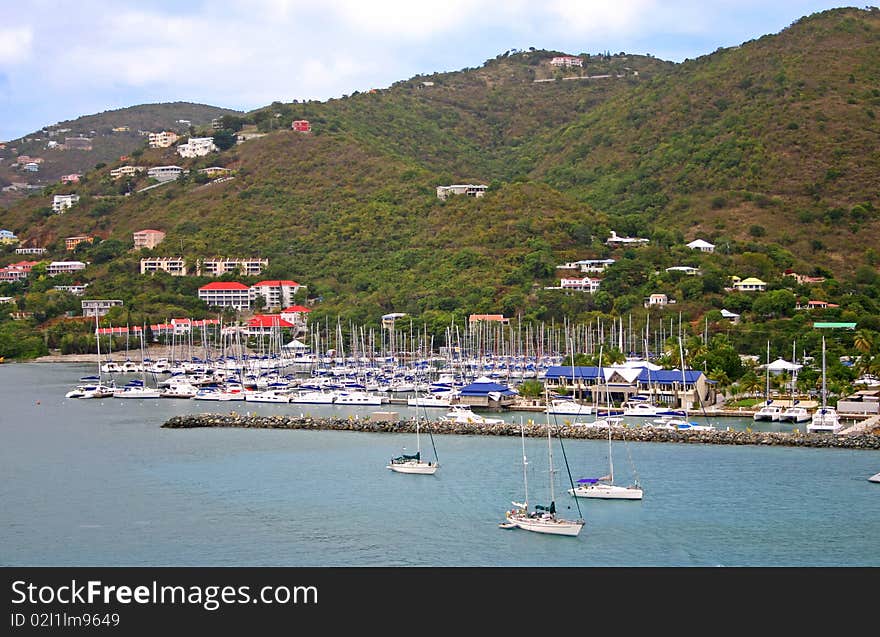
101	483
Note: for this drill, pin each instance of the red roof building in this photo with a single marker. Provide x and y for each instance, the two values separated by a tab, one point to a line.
226	294
277	293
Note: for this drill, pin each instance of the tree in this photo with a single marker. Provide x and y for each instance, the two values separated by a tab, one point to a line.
224	139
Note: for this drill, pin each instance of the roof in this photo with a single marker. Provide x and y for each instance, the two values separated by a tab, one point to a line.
149	230
277	283
224	285
268	320
848	326
751	281
645	375
484	386
700	243
296	308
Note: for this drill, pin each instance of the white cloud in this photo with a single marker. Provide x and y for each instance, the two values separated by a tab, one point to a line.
15	44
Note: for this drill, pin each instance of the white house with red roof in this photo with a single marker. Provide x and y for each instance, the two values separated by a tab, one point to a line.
261	324
277	293
226	294
295	314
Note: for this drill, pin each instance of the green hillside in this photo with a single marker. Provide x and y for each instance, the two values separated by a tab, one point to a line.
769	150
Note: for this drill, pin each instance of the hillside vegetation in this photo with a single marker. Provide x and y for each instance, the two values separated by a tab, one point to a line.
770	150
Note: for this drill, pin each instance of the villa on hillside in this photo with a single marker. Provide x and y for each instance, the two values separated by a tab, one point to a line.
657	300
586	284
7	236
219	266
733	317
63	267
475	319
126	171
566	61
684	269
147	238
803	278
175	266
816	305
301	126
17	271
165	173
197	147
70	243
750	284
61	202
587	265
33	250
471	190
163	139
99	307
702	246
614	240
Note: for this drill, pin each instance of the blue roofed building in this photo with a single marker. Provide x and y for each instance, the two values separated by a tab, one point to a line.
485	392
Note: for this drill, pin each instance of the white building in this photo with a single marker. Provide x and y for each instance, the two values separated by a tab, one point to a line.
276	293
226	294
163	139
221	265
587	265
566	61
686	269
62	267
586	284
197	147
61	202
30	250
702	246
165	173
175	266
657	300
614	240
76	290
471	190
98	307
126	171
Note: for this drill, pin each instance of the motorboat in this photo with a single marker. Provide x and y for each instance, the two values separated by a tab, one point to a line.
357	398
673	423
643	409
462	414
825	420
768	412
91	387
568	407
267	396
314	397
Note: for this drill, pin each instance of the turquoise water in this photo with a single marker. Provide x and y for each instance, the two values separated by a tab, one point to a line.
100	483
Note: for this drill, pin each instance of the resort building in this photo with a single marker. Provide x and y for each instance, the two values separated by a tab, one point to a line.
226	294
587	265
163	139
220	265
276	293
30	251
262	324
702	246
614	240
295	315
126	171
147	238
99	307
76	290
566	61
61	202
197	147
70	243
165	173
751	284
175	266
657	300
471	190
63	267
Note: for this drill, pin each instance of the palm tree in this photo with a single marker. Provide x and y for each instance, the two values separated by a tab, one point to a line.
864	340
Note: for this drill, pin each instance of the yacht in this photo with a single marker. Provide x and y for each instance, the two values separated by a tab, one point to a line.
314	397
795	414
568	407
825	420
267	396
768	412
462	414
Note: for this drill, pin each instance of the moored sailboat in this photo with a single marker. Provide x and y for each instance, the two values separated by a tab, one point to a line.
604	487
413	463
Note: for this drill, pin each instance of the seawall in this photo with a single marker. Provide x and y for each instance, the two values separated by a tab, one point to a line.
863	440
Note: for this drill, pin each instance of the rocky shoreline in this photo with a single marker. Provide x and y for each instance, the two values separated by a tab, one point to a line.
376	424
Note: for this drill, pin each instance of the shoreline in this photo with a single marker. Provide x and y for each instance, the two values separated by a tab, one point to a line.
380	424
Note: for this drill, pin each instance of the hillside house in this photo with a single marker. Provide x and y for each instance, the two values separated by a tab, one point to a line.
70	243
37	251
470	190
7	237
803	278
98	307
175	266
684	269
214	171
816	305
126	171
219	266
616	241
657	300
165	173
76	290
64	267
475	319
701	245
276	293
750	284
226	294
587	265
17	271
566	61
296	315
148	238
586	284
197	147
733	317
72	178
163	139
31	167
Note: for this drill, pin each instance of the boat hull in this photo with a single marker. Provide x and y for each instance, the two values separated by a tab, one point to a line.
874	478
607	492
420	468
549	526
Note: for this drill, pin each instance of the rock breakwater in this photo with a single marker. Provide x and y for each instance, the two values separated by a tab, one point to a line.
637	434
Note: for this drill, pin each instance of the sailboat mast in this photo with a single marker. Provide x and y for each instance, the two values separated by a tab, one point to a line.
525	462
610	462
550	458
823	375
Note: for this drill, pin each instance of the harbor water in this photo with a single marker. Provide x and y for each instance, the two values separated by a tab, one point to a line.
101	483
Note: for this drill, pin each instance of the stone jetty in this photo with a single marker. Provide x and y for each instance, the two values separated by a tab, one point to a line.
862	440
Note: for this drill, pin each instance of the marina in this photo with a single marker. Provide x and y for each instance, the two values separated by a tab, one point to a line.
102	482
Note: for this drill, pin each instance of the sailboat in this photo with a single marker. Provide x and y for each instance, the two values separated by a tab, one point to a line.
768	410
93	386
543	519
825	419
794	413
413	463
138	388
604	487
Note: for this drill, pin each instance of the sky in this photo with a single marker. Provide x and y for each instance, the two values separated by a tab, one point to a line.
60	60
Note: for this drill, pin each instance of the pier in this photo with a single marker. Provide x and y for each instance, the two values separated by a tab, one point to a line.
387	422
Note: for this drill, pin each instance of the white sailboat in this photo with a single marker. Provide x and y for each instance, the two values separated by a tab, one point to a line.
542	519
825	419
93	386
874	478
413	463
768	410
604	487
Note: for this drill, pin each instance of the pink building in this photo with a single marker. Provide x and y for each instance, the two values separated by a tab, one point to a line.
148	238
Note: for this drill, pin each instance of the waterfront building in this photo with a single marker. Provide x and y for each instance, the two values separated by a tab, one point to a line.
261	324
297	315
226	294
